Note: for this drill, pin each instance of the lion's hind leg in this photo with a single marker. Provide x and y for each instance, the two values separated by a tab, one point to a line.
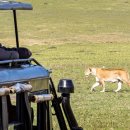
103	86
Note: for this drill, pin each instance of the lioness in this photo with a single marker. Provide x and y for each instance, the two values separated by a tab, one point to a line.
103	75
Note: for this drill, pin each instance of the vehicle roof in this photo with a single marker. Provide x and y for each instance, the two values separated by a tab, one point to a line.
13	5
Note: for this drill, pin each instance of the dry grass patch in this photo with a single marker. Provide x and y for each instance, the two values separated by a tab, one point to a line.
105	38
97	38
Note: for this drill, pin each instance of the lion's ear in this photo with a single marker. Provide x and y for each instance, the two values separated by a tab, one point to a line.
90	69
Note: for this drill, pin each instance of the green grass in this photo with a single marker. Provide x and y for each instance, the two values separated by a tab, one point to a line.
60	21
103	111
68	35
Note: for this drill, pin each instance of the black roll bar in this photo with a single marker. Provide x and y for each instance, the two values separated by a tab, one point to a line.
16	28
20	60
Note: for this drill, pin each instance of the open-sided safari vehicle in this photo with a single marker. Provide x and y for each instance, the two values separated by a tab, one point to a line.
31	82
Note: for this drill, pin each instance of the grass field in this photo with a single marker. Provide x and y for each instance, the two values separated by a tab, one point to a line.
68	35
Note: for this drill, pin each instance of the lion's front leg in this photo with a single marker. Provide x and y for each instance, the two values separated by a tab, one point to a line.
119	86
94	86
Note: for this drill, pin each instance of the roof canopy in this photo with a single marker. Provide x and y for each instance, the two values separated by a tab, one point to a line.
12	5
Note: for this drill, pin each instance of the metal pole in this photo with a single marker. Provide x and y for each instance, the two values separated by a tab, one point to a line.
57	107
4	113
42	116
16	28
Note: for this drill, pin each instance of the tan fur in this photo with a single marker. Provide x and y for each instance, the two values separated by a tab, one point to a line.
103	75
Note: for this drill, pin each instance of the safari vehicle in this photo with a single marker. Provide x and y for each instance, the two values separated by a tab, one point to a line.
31	82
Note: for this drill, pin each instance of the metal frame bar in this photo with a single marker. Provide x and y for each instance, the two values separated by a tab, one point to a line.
16	28
23	111
42	117
20	60
4	113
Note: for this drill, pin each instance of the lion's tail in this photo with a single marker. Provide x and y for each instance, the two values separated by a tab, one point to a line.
128	79
128	83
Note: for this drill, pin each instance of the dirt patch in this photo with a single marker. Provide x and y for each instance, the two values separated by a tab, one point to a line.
106	38
97	38
30	42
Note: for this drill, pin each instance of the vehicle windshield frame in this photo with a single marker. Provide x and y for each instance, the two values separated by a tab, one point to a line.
13	6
